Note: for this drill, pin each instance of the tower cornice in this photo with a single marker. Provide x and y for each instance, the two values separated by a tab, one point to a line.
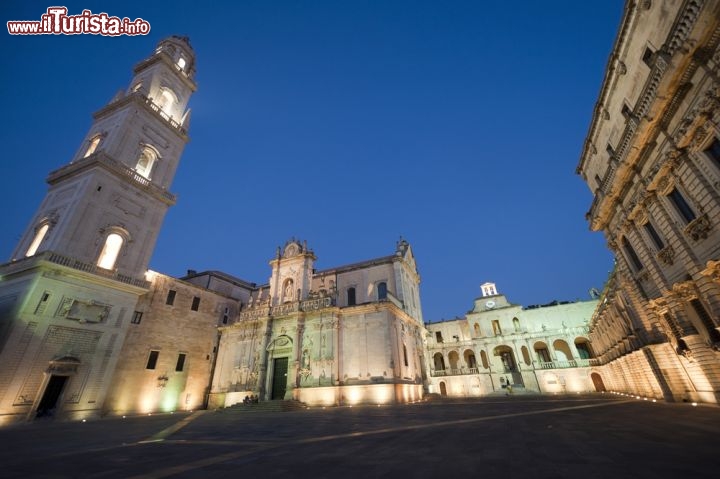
104	161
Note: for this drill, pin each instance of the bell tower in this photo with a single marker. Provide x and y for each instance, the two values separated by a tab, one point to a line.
69	295
106	206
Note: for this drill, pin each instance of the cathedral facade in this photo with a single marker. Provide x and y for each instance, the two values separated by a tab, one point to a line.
652	162
342	335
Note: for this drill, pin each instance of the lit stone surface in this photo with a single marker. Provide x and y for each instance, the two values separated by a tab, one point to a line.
652	162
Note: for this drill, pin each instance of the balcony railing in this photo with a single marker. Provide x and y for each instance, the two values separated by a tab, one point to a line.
572	363
76	264
264	309
453	372
115	167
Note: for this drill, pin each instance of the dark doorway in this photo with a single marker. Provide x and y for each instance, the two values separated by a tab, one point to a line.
443	389
279	385
52	393
597	382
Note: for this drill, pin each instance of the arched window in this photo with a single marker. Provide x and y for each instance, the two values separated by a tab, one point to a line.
167	101
405	355
92	146
351	297
37	240
111	250
145	163
382	290
476	328
453	357
439	362
516	325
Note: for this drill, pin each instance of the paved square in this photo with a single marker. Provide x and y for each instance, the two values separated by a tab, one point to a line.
590	436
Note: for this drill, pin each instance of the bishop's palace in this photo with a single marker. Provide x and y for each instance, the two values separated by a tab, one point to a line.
87	330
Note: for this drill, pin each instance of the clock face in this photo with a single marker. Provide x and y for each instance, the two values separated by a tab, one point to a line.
490	304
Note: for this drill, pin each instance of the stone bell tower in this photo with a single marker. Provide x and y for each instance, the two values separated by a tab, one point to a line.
105	207
69	293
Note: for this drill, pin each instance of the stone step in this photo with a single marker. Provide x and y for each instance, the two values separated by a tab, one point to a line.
269	406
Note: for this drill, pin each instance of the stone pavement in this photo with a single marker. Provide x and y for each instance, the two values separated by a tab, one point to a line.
596	436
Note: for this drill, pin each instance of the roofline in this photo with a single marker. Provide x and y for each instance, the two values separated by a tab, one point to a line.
611	74
233	279
354	266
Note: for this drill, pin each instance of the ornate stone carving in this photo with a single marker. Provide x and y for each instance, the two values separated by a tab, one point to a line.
667	255
712	269
699	228
685	291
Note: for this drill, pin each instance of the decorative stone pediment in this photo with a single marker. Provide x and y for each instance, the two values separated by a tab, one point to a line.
282	342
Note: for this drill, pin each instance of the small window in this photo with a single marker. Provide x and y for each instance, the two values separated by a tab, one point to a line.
351	297
195	303
40	308
152	359
682	206
180	362
171	297
626	111
632	255
438	337
647	57
37	240
181	63
137	317
226	316
405	355
654	235
110	252
382	291
496	327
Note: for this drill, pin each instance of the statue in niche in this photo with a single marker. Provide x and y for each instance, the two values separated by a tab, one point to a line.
305	363
288	295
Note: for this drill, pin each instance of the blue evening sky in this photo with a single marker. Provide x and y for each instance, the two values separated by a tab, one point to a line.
456	124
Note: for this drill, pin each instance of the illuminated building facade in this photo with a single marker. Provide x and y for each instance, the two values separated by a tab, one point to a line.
342	335
652	161
68	295
500	347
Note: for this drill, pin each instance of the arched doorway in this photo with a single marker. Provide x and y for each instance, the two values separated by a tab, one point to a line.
598	382
470	361
562	350
583	348
443	389
439	362
507	358
453	357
